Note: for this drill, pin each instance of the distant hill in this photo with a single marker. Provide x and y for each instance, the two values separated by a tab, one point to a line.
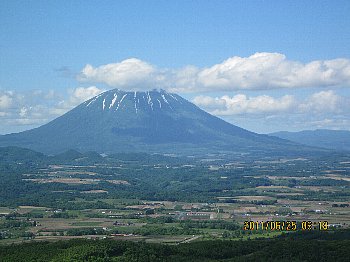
153	122
16	155
13	154
332	139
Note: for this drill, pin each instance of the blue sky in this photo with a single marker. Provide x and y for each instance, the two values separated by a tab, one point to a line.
46	45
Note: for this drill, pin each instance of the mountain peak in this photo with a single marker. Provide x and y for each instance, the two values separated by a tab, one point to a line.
117	100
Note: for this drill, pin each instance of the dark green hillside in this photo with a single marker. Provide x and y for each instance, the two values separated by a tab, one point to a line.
18	154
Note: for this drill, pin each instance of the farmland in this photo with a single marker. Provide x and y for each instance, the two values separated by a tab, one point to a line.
169	199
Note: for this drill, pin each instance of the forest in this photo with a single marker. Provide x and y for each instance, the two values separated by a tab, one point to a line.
307	246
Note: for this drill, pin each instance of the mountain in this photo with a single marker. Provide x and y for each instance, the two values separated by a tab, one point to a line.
332	139
155	121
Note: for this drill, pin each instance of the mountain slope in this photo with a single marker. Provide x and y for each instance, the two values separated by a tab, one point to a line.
154	121
332	139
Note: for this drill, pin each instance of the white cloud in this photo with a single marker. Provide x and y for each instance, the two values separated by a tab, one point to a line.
273	70
76	97
258	71
182	80
81	94
241	104
37	107
5	100
128	73
263	113
324	101
23	111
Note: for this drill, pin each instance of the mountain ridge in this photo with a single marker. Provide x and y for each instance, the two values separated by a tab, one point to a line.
326	138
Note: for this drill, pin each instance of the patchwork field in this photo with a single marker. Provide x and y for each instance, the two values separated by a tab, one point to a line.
175	202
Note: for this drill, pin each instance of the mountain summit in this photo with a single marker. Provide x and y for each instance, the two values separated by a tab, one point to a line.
153	121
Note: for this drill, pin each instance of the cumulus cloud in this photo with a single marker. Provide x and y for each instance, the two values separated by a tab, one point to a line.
37	107
81	94
324	101
258	71
320	102
75	97
128	73
273	70
241	104
263	113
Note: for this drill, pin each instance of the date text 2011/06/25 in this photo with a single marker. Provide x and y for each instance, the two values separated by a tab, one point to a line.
286	225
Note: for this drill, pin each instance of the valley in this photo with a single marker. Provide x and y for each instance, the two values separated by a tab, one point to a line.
167	199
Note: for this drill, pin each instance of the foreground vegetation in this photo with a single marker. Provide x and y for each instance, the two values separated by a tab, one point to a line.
286	248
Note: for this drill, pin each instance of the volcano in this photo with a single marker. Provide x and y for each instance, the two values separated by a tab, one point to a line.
153	121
